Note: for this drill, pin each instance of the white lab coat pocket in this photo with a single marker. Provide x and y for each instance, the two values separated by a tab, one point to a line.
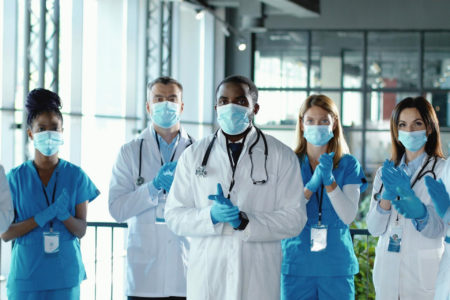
429	267
142	241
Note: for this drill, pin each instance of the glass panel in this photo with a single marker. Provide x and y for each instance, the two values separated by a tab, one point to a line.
437	60
393	60
445	140
281	59
288	136
335	53
102	139
354	142
352	108
441	104
279	108
380	106
378	148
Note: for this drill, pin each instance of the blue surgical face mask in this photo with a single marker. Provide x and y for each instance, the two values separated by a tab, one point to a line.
48	142
233	119
318	135
165	114
412	140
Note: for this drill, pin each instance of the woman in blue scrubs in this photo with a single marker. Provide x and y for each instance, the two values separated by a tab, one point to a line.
50	198
320	263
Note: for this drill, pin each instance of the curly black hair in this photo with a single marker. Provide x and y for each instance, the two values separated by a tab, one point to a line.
40	101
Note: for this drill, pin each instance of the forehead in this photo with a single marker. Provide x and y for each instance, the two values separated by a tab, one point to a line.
165	89
410	113
233	89
47	117
316	112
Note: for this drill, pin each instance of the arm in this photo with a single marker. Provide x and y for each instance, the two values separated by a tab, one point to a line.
77	225
19	229
6	206
181	214
377	218
345	201
289	218
125	200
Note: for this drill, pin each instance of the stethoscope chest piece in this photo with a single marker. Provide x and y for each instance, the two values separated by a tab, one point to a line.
201	171
140	180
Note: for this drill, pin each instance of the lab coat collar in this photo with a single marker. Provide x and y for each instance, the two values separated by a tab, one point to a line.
148	133
251	137
413	166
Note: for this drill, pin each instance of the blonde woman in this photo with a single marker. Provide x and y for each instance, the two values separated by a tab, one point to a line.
320	263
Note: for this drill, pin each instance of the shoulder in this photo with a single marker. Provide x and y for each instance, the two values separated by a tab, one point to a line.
349	161
278	146
68	167
441	166
17	171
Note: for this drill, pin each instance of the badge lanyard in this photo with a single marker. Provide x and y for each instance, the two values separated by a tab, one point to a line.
319	231
51	238
233	164
173	151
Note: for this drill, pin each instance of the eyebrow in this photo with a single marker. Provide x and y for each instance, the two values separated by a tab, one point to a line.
418	119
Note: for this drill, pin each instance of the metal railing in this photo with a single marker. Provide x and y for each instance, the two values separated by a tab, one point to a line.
98	264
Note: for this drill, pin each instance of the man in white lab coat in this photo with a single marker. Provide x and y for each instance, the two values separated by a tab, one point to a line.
141	179
236	202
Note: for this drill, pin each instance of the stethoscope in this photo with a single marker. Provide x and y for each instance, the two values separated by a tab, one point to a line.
420	175
202	172
140	180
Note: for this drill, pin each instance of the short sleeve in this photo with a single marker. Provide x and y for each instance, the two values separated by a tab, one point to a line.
86	189
354	173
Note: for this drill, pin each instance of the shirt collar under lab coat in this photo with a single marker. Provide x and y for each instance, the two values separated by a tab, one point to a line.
411	167
251	137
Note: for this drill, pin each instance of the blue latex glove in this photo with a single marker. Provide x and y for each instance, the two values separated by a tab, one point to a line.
387	193
223	210
409	204
394	177
326	168
46	215
164	178
316	180
62	205
438	194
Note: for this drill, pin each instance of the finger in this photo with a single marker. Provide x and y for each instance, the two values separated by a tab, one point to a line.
219	189
212	197
331	154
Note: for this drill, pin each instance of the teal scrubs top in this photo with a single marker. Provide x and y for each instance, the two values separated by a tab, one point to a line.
338	259
31	268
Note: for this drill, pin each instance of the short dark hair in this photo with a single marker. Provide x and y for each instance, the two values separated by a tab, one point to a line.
165	80
40	101
433	145
241	79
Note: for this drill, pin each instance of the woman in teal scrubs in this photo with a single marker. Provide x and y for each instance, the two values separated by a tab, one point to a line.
320	263
50	198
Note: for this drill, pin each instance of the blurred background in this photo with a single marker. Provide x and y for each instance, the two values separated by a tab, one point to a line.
99	55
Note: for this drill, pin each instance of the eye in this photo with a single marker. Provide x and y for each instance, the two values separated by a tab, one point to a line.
308	121
41	129
419	123
325	122
401	125
242	101
222	101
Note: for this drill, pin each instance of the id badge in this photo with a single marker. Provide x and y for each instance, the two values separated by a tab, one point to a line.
51	242
395	239
318	238
160	209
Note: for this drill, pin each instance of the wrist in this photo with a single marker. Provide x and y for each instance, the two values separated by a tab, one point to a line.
243	221
63	216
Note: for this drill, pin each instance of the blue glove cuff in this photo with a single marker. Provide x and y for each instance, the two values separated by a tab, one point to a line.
63	216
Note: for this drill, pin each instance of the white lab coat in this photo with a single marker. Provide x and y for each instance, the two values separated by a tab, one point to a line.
155	255
410	274
225	264
6	206
443	280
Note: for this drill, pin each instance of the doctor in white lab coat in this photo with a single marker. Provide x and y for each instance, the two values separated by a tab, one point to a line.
141	179
410	243
6	206
235	229
439	192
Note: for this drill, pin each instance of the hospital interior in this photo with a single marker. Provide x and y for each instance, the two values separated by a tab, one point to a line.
99	56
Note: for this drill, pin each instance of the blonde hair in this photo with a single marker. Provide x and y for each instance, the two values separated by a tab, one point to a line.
337	144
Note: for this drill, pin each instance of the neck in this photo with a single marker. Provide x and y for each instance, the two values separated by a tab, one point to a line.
410	156
168	134
45	163
314	152
235	138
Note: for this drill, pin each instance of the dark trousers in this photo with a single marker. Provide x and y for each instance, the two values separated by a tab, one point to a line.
148	298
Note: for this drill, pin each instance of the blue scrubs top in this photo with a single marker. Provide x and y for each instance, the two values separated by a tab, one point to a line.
338	259
31	268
